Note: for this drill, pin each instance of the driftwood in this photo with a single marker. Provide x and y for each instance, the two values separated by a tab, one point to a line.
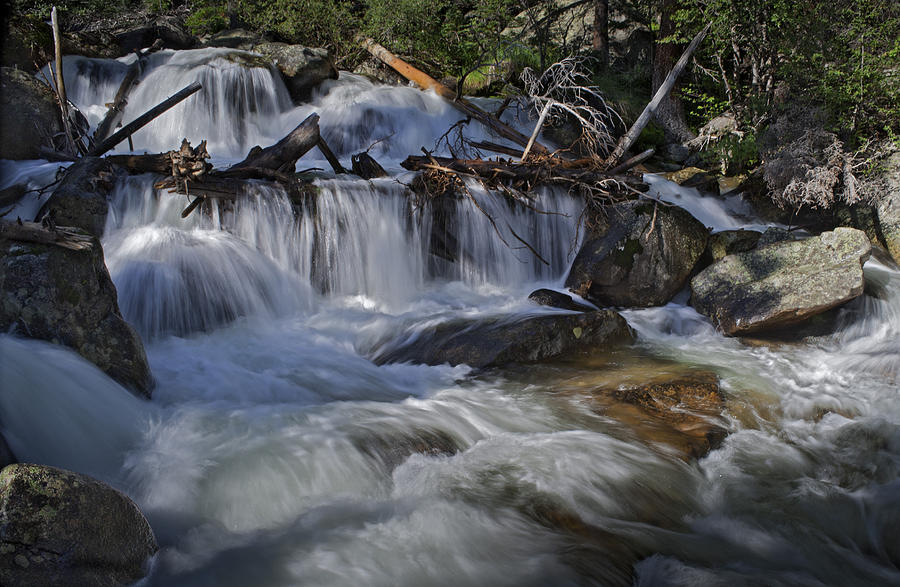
495	148
365	166
530	174
117	106
329	155
426	82
631	136
136	124
631	162
283	155
34	232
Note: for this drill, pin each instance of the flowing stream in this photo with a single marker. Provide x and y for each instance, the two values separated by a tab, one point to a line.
274	452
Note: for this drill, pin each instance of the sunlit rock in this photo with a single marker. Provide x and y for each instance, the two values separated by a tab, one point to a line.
494	342
888	208
63	528
783	283
303	68
555	299
642	258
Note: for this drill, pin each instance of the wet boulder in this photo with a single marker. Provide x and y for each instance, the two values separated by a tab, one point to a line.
682	410
888	207
54	286
555	299
783	283
82	197
29	116
727	242
643	258
392	447
171	31
302	68
63	528
499	341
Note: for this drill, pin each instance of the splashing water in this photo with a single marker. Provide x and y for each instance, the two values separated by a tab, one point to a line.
275	453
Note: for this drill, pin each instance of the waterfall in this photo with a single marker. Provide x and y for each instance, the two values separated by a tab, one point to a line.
274	452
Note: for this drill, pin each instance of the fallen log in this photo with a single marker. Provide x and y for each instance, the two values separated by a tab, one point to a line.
136	124
117	106
283	155
34	232
426	82
365	166
329	155
631	136
495	148
530	173
632	161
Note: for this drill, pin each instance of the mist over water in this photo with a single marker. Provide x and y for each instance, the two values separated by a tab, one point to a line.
274	452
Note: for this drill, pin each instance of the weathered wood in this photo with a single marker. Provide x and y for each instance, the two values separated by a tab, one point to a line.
632	161
155	163
495	148
192	206
329	154
367	167
223	188
283	155
143	119
60	83
631	136
34	232
117	107
533	173
426	82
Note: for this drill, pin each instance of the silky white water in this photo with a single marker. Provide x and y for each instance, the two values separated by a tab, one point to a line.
274	452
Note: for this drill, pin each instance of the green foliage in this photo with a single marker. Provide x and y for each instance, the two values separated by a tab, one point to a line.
702	102
207	19
157	6
652	137
733	154
314	23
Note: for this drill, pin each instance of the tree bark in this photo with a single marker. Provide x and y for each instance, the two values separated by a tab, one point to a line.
426	82
670	112
283	155
600	41
631	136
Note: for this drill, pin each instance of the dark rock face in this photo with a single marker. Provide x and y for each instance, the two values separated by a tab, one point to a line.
64	295
62	528
643	258
29	116
490	343
27	42
81	198
234	39
783	283
303	68
6	455
172	33
555	299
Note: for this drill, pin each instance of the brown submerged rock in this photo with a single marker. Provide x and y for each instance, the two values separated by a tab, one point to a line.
63	528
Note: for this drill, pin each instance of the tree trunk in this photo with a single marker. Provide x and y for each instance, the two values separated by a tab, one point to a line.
601	31
670	112
283	155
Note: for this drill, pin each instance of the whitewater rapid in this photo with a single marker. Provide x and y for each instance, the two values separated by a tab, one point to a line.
275	453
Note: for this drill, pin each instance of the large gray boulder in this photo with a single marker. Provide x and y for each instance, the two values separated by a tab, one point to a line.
643	258
783	283
29	116
490	343
60	291
888	208
62	528
82	197
302	68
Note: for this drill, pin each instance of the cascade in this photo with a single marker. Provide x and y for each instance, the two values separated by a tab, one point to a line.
274	452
